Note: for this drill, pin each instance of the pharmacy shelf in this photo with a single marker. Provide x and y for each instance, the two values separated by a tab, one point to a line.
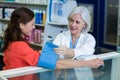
4	20
42	25
17	3
36	44
1	35
57	23
7	20
32	6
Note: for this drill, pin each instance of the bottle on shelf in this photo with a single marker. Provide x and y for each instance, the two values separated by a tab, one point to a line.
44	17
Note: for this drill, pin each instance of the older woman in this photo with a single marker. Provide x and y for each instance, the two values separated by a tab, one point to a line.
76	42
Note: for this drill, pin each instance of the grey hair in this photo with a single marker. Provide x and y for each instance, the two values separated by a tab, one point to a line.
85	14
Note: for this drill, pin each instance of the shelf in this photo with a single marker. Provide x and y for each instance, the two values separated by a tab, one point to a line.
7	20
4	20
36	44
1	35
42	25
57	24
17	3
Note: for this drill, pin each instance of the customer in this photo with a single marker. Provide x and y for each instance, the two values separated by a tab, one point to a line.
17	52
76	42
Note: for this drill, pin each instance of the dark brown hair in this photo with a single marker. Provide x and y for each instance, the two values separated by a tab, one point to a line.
13	31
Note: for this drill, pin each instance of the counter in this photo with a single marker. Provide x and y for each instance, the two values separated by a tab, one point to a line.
110	71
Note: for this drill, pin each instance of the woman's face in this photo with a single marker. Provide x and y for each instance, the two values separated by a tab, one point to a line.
76	24
27	28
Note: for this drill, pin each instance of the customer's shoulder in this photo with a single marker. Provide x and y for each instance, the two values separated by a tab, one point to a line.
15	43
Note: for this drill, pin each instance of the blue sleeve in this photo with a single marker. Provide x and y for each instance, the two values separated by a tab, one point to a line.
48	57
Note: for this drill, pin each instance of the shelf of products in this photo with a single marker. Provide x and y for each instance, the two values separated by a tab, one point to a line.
7	20
23	3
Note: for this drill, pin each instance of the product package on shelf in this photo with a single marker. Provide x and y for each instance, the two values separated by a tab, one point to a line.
40	16
36	36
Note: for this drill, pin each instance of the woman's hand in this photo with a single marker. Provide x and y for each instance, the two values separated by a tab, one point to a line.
63	50
95	63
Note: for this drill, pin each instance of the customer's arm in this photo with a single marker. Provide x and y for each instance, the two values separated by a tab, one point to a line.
51	61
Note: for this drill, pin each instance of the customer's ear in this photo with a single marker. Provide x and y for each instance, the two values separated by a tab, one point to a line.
21	25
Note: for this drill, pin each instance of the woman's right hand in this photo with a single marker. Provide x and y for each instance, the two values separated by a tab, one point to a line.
62	50
95	63
65	51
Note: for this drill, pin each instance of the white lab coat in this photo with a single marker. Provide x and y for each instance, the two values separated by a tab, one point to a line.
85	45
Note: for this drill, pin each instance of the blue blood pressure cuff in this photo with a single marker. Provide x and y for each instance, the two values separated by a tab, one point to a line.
48	57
